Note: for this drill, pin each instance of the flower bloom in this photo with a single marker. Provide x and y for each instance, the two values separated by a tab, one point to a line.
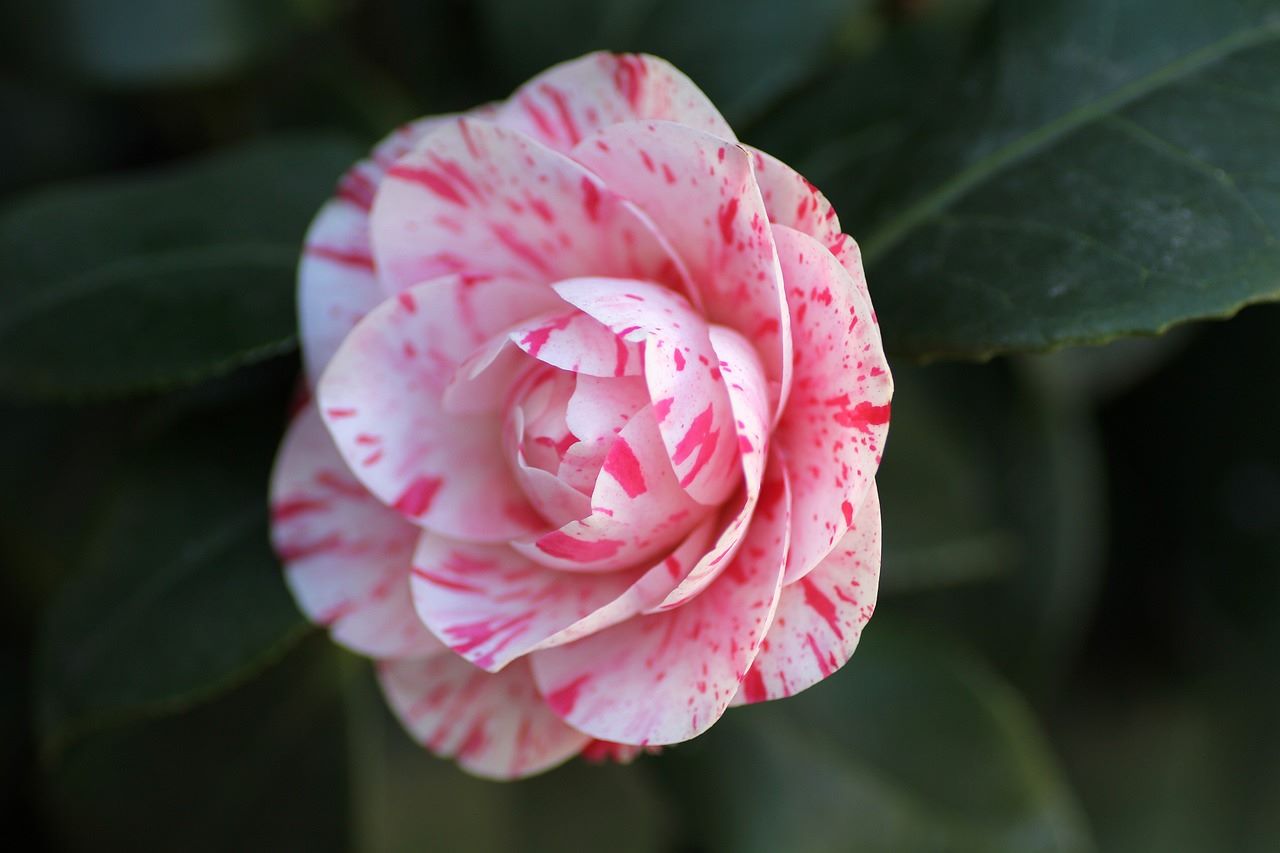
597	402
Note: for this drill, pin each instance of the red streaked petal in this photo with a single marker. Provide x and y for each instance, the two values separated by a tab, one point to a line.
493	725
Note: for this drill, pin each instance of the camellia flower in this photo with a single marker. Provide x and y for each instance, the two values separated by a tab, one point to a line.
598	399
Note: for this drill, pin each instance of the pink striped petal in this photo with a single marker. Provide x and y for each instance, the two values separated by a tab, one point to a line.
820	617
479	199
702	195
572	340
551	497
572	100
682	373
748	395
336	281
667	677
833	430
381	399
346	556
597	412
638	508
491	605
792	201
494	725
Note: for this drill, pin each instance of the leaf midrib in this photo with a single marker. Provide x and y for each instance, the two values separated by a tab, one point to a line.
898	227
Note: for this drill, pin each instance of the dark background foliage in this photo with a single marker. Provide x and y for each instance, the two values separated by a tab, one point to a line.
1076	646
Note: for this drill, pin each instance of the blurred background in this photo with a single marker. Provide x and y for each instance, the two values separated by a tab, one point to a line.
1077	639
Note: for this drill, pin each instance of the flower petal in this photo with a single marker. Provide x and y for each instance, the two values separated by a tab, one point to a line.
667	677
479	199
701	194
346	556
572	340
597	412
638	508
833	430
494	725
682	373
381	400
792	201
336	281
820	618
571	100
748	395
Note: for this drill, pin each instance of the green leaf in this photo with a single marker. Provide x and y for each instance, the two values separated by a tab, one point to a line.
260	769
159	43
1109	170
180	595
912	746
154	280
405	799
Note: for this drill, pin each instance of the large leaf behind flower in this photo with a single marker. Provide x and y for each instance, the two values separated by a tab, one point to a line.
1109	169
178	595
159	279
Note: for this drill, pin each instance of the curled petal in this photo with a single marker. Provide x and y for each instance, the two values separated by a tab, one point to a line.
667	677
702	195
492	605
792	201
597	412
572	340
748	395
682	373
494	725
834	427
479	199
638	508
381	400
571	100
346	556
821	616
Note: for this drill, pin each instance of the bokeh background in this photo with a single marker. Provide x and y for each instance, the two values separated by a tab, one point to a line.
1078	637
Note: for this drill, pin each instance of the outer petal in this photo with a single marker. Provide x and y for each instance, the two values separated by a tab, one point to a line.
346	556
682	372
702	195
477	198
494	725
381	399
749	397
792	201
491	605
834	428
667	677
820	618
571	100
336	281
638	509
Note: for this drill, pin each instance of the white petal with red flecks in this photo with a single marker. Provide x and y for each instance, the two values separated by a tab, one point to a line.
346	556
667	677
682	373
748	394
701	193
476	198
598	410
790	200
381	399
493	725
820	618
572	340
638	508
336	281
833	430
565	103
491	605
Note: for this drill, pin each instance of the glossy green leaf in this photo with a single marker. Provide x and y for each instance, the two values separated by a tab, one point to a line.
911	747
159	279
1098	176
259	769
179	594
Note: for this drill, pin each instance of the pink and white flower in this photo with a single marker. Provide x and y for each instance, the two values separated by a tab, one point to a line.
598	398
